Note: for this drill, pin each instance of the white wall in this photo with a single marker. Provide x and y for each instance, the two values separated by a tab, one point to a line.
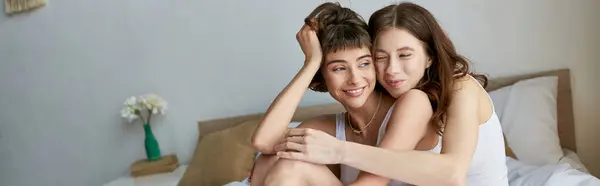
66	69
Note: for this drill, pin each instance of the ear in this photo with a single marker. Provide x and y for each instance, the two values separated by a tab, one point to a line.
429	62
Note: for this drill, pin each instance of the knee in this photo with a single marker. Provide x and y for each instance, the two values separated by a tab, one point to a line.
261	167
288	172
292	166
265	162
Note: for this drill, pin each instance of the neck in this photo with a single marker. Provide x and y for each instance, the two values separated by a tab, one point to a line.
361	116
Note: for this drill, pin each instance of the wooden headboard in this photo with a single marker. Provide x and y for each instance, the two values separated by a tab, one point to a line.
566	124
301	114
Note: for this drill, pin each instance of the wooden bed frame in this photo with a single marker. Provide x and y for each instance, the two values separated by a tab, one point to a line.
566	124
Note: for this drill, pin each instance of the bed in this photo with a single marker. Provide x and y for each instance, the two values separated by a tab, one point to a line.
224	154
536	113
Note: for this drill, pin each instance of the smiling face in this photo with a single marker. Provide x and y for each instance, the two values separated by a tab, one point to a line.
400	60
349	75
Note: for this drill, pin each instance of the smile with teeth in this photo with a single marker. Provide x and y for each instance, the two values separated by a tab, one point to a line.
355	92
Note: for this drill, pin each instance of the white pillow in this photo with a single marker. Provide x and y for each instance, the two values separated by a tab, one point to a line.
529	121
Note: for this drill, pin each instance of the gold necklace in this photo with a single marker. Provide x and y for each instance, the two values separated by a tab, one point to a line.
369	123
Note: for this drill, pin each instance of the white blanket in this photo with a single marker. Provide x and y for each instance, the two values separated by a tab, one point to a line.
547	175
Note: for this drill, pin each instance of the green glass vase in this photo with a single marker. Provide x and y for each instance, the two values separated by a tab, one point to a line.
151	145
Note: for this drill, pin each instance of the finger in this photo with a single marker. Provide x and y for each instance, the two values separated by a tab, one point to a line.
301	31
284	147
296	139
312	24
309	32
305	30
281	140
296	132
291	155
304	26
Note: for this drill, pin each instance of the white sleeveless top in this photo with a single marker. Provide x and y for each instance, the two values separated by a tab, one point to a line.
488	166
349	174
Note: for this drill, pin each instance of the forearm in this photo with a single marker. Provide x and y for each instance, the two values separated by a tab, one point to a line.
279	114
414	167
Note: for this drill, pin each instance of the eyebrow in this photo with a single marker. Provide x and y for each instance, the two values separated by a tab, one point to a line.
344	61
400	49
405	48
336	61
364	56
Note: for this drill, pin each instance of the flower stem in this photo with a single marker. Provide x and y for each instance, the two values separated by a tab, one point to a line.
149	116
139	113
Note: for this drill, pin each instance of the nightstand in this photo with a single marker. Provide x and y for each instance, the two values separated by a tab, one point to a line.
167	163
162	179
163	172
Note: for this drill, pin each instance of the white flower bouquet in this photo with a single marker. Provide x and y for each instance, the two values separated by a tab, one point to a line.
143	107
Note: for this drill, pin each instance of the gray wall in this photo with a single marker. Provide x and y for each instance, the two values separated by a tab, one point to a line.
66	69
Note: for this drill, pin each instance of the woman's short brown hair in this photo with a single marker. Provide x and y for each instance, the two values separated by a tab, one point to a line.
338	28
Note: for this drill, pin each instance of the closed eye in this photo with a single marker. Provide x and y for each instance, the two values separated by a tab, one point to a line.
404	55
380	59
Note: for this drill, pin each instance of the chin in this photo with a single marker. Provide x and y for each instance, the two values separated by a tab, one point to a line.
354	102
396	92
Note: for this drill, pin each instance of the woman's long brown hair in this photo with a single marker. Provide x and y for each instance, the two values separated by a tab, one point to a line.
447	65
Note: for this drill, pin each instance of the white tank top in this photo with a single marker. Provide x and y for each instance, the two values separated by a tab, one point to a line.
488	166
349	174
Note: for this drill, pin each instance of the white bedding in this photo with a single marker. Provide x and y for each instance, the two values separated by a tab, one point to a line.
562	174
573	160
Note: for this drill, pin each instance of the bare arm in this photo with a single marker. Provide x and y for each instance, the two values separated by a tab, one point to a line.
273	126
407	126
275	122
424	168
325	123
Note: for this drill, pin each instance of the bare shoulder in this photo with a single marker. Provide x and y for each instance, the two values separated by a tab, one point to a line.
467	86
414	100
325	123
413	96
470	97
